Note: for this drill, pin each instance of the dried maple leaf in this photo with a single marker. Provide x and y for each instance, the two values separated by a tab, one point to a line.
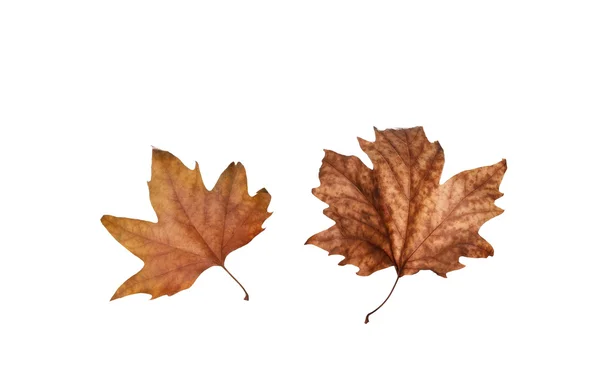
196	228
398	214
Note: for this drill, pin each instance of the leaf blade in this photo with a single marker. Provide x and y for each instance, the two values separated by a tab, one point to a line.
193	226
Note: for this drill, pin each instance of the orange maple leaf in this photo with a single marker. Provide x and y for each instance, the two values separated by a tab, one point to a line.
196	228
398	214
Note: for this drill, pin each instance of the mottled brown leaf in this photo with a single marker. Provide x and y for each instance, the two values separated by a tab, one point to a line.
196	228
398	214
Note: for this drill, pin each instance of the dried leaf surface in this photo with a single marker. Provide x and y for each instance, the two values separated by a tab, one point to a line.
196	228
398	214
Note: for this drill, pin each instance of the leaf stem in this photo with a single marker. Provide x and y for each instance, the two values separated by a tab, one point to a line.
384	301
238	282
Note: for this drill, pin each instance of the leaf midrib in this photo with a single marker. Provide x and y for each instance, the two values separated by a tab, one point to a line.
218	261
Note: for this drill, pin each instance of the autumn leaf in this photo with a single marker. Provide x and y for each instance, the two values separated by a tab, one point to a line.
196	228
398	214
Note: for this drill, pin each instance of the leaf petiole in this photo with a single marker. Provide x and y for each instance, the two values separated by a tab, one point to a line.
238	282
384	301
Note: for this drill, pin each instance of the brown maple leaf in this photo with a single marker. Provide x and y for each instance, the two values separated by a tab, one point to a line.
398	214
196	228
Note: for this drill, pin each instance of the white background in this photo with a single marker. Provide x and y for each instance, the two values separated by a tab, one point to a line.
87	87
